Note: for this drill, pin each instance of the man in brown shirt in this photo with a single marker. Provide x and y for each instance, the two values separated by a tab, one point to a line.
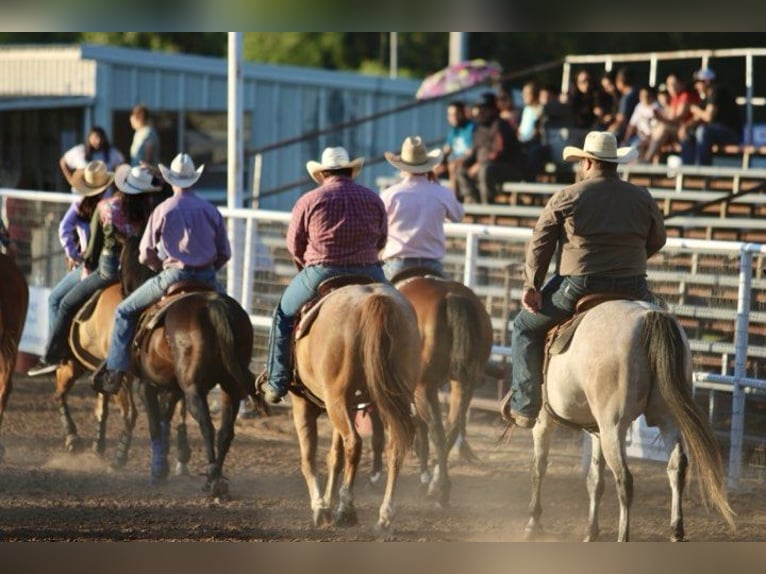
606	230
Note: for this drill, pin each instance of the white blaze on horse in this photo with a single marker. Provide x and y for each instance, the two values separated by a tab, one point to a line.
628	358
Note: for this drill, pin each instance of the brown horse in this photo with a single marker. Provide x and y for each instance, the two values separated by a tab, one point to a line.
362	347
14	299
456	333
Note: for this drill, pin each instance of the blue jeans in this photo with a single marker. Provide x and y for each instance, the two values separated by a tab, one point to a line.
394	266
60	291
560	296
698	149
300	291
127	313
78	295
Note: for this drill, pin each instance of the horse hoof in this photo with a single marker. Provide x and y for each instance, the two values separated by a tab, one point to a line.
2	453
345	518
73	443
376	479
98	447
219	489
591	537
384	531
182	469
322	517
156	481
119	462
533	532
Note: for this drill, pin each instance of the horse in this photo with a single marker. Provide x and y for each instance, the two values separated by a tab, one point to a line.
203	338
14	300
456	334
627	358
362	347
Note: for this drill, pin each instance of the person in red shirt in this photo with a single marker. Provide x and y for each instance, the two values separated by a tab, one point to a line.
336	229
672	120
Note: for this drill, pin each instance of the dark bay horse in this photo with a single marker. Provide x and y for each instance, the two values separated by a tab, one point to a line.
14	299
362	347
456	335
625	359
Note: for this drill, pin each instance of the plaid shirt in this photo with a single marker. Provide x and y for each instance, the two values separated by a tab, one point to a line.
338	223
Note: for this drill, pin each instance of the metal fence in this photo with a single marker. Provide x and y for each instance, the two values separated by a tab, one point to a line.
711	286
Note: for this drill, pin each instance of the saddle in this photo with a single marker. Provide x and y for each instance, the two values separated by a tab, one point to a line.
153	316
305	318
560	336
88	359
412	273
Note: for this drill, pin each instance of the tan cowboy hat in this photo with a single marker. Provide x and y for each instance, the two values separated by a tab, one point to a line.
135	180
181	172
334	158
92	179
414	157
601	146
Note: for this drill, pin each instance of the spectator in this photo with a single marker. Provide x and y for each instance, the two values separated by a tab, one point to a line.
628	100
145	148
529	132
639	131
718	121
583	98
673	119
507	107
609	100
96	147
458	142
496	155
416	209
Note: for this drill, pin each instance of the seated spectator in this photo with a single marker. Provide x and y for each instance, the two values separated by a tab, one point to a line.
458	143
609	101
583	98
674	117
639	131
507	107
496	156
529	131
624	80
717	121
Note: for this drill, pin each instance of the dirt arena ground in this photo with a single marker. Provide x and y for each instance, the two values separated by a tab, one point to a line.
48	494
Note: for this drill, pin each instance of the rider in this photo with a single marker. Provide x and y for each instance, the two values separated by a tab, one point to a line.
122	215
606	229
416	209
185	238
336	229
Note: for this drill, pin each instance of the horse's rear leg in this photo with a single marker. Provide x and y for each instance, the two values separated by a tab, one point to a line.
183	450
66	375
613	447
595	488
154	414
541	435
378	441
198	407
305	416
6	385
676	469
342	421
129	415
387	511
334	466
460	399
440	483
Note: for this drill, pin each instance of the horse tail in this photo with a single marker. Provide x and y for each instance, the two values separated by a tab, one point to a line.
667	351
219	311
388	380
466	353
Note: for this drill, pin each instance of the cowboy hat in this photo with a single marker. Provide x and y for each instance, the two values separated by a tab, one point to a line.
601	146
334	158
414	157
92	179
135	180
181	172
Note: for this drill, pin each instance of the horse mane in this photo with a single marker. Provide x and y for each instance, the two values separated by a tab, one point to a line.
132	272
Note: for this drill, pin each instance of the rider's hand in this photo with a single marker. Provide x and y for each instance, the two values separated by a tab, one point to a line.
532	300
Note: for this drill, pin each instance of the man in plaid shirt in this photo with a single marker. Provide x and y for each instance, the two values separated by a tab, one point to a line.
336	229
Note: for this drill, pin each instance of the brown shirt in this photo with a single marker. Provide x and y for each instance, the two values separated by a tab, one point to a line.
606	227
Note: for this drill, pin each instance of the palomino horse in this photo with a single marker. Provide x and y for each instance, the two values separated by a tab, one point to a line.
627	358
14	298
456	336
362	347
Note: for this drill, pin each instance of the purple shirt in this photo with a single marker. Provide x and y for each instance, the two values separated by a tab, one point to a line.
74	232
187	231
339	223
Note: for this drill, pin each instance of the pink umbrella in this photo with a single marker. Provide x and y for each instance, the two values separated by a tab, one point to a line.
456	77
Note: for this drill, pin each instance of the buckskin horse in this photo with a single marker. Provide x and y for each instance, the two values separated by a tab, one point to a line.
456	335
627	358
14	299
361	347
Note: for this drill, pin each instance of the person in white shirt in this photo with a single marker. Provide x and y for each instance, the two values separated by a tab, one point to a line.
96	147
416	209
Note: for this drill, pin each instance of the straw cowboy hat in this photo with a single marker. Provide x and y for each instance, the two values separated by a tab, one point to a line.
92	179
414	157
181	172
135	180
601	146
334	158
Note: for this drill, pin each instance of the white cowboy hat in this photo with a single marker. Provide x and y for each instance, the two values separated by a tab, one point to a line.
92	179
601	146
414	157
135	180
334	158
181	172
